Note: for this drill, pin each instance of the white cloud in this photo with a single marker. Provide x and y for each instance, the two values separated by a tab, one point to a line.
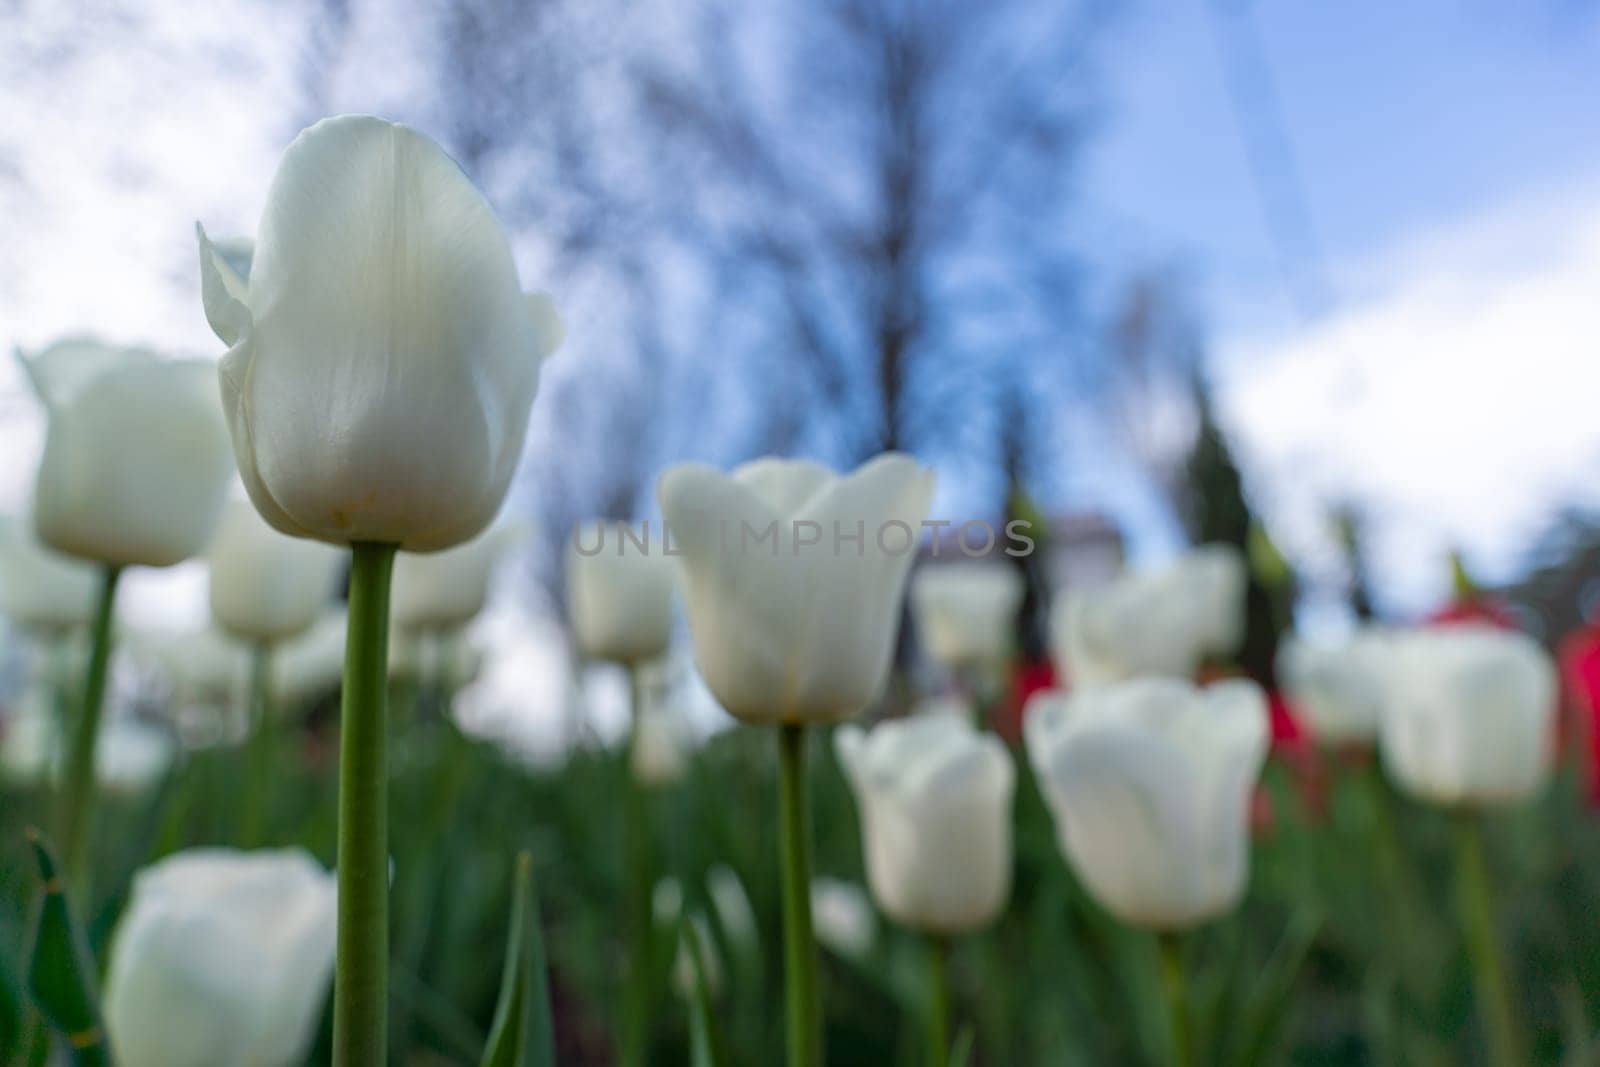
1452	395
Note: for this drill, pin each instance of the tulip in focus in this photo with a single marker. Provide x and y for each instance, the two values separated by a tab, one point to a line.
1469	715
221	957
1337	689
797	627
1150	784
966	611
1163	622
383	356
935	800
266	587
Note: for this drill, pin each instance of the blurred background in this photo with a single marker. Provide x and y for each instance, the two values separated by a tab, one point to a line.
1321	280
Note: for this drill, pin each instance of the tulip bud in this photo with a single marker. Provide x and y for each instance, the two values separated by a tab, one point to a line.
656	756
619	592
793	579
1162	622
935	799
1337	689
445	590
843	918
312	663
1150	784
136	462
1468	715
221	957
384	358
41	589
265	586
966	611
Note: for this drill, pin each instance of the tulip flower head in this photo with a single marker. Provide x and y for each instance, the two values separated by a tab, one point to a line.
1468	717
619	591
843	917
136	461
383	356
657	755
446	590
221	957
935	798
1339	688
266	586
966	611
40	589
1162	622
1150	784
793	579
132	756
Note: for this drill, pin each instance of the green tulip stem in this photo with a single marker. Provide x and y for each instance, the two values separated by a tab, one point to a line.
803	1009
77	820
938	1001
259	747
640	920
1483	947
361	970
1175	985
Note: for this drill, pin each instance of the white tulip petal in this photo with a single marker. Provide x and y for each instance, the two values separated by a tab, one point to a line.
225	294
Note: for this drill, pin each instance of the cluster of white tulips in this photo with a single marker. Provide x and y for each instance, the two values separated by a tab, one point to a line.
382	360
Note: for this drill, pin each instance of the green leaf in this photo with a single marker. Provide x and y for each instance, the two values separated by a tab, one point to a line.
704	1041
1271	999
521	1035
61	976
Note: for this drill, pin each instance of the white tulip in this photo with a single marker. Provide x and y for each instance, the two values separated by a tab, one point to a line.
221	957
132	757
444	590
657	754
136	460
1469	715
311	664
265	586
842	917
1338	689
39	588
966	610
956	704
1162	622
793	579
935	800
1150	784
30	746
619	591
732	905
383	357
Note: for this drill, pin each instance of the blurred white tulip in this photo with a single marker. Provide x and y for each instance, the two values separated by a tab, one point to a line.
1162	622
266	586
657	754
30	747
312	663
1469	715
935	800
445	590
793	579
221	957
383	357
136	460
619	591
132	756
732	905
1337	689
41	589
842	917
955	704
1150	784
683	971
966	611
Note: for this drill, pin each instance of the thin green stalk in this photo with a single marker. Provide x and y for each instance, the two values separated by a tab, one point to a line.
260	747
1175	985
640	920
938	1001
77	822
803	1009
1483	947
361	973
